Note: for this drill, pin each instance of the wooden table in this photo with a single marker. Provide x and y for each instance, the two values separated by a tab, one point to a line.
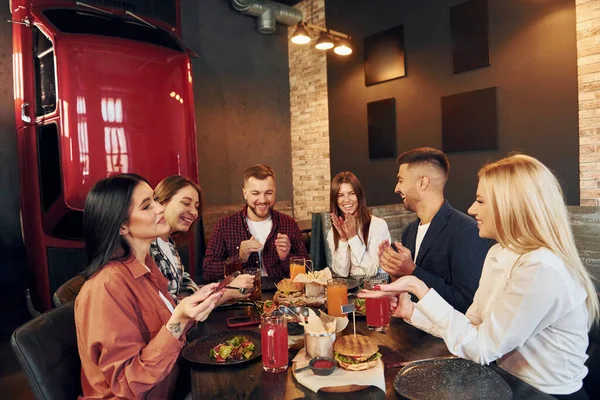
401	343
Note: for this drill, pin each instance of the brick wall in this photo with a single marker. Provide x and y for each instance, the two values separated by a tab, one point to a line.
588	72
309	117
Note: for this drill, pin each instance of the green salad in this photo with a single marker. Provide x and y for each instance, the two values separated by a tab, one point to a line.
236	349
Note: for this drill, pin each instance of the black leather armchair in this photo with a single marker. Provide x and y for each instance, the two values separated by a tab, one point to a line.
46	348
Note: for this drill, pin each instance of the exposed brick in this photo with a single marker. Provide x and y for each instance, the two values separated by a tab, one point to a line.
588	72
589	202
590	193
587	69
592	139
589	166
587	60
589	113
589	157
309	117
591	184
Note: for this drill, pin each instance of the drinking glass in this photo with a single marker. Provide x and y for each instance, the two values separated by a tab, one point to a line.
337	296
232	264
274	339
297	266
378	309
257	294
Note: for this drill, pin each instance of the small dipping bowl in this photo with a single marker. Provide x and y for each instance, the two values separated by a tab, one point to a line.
321	366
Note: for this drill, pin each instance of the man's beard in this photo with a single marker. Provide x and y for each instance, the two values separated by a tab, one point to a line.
253	208
408	204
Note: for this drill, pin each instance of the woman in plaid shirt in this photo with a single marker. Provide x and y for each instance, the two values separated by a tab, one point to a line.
182	201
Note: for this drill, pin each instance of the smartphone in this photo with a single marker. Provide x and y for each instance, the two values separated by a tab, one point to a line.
393	245
228	279
235	322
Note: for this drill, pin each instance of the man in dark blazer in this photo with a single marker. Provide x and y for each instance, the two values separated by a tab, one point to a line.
442	247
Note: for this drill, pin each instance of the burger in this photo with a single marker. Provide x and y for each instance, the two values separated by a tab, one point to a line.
290	293
356	353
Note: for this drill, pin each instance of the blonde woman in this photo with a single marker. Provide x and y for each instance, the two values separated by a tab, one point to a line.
535	303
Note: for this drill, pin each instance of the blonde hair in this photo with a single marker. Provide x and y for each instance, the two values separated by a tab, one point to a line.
529	212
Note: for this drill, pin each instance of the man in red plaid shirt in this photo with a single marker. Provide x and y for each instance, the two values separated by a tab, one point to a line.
261	236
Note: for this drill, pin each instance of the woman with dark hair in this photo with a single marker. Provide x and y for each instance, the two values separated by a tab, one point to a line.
182	200
129	330
356	234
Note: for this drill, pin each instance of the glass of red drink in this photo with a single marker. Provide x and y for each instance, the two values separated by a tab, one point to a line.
378	309
274	338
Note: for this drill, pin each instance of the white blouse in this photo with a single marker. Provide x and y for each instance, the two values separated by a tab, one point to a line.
353	257
529	314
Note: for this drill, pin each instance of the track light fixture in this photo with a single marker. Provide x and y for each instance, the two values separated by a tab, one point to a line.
301	35
324	42
343	47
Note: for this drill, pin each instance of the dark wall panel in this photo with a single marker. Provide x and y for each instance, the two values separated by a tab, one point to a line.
242	99
470	120
381	116
533	64
469	30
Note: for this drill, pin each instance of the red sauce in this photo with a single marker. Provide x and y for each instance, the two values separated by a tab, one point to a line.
322	364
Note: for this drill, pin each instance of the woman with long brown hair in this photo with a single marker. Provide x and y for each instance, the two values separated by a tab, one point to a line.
356	234
182	200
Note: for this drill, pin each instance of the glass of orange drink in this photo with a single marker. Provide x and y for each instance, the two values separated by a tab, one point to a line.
337	296
297	266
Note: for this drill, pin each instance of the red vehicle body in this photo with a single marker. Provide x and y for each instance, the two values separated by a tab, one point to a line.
97	92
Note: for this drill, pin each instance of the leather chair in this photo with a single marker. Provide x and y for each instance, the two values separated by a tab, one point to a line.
46	348
67	292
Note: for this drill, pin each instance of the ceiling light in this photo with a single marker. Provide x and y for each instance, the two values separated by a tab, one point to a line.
300	35
343	48
324	42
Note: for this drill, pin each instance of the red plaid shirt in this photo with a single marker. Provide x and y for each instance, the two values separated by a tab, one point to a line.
231	231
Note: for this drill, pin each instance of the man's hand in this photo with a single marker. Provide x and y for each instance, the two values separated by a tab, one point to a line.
337	223
283	246
398	263
248	247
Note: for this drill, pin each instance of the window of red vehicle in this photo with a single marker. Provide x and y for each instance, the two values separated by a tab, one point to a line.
92	23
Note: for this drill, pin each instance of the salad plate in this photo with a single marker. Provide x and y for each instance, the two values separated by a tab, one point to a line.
199	350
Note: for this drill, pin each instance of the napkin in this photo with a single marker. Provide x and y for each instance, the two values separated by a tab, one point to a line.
321	277
323	323
340	377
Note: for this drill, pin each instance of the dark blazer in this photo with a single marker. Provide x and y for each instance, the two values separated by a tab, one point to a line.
451	255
